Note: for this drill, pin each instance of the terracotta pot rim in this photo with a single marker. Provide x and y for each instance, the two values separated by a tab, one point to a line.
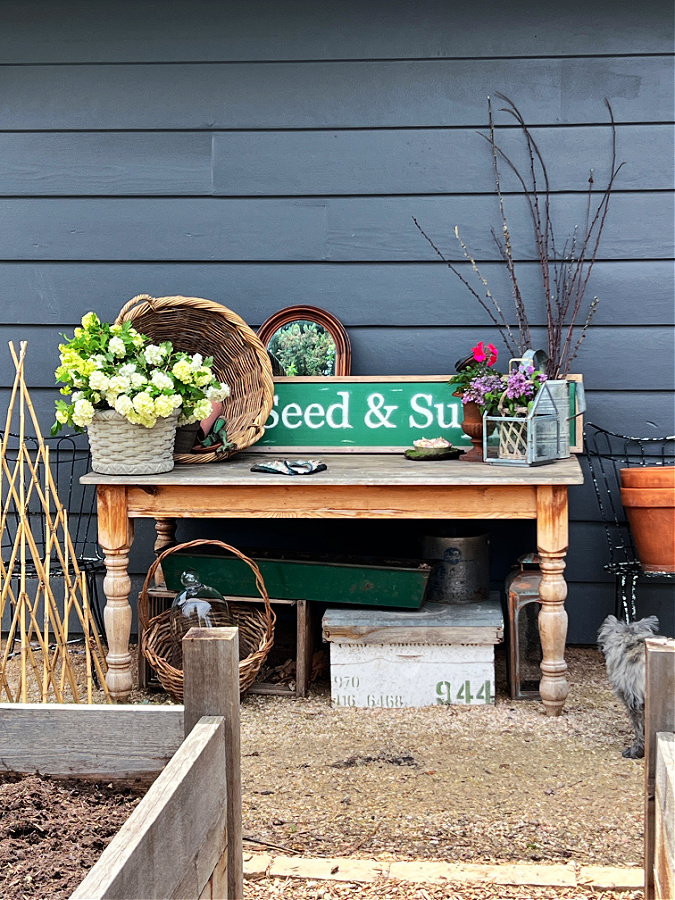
648	496
647	476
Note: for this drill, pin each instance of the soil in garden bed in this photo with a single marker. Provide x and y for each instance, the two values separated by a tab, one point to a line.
52	832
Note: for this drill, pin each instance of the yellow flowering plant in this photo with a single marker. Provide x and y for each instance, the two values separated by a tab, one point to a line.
115	367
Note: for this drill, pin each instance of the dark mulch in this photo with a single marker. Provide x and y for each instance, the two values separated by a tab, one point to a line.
52	832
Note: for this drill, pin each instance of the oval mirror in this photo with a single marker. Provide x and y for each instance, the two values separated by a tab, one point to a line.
306	340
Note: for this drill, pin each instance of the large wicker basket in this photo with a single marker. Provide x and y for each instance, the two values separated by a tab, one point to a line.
240	360
256	629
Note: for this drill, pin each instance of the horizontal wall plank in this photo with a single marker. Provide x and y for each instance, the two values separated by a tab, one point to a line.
88	741
431	161
110	163
358	294
589	604
605	357
36	31
269	163
386	94
356	229
588	550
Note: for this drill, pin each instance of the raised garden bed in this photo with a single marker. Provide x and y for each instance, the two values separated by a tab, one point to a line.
153	856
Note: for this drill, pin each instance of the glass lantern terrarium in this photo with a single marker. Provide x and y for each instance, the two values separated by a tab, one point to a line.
196	606
539	437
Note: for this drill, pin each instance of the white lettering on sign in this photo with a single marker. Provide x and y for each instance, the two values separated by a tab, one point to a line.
416	403
423	405
342	409
291	413
378	413
454	415
273	420
314	410
314	416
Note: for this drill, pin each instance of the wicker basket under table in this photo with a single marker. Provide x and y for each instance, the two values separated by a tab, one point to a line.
256	628
240	360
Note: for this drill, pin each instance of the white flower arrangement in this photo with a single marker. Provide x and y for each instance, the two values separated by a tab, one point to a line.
114	367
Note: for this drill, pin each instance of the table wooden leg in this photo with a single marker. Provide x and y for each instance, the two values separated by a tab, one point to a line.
115	533
552	546
166	537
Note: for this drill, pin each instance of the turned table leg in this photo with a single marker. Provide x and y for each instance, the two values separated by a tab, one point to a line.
115	532
166	537
552	546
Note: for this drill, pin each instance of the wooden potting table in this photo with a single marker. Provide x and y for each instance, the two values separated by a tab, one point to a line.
355	485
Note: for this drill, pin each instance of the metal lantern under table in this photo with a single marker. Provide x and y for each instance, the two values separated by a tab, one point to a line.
539	437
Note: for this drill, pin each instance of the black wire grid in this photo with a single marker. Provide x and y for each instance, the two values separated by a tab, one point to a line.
68	461
608	452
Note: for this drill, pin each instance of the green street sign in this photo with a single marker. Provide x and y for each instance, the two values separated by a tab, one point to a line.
362	413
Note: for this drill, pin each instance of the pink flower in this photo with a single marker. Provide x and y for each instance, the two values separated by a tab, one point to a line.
478	352
493	354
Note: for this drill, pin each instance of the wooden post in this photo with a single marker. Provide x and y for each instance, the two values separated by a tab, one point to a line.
211	688
659	716
303	652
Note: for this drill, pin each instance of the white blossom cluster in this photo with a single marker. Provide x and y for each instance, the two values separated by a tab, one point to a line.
114	367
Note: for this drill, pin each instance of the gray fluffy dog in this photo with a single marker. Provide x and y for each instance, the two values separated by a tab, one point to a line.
623	646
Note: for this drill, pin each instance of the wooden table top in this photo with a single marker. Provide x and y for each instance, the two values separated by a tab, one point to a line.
355	469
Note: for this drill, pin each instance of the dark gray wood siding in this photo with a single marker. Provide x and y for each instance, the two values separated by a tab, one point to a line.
264	153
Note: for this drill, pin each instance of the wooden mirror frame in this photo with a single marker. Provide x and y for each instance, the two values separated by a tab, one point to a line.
334	327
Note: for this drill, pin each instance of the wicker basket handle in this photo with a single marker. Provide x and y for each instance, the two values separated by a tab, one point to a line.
136	301
259	583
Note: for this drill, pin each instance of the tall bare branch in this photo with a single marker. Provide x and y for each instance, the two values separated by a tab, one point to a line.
564	275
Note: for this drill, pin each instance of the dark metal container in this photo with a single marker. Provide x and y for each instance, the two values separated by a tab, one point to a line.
461	573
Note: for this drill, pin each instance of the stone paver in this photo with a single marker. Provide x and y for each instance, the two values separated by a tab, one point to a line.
612	878
436	872
257	865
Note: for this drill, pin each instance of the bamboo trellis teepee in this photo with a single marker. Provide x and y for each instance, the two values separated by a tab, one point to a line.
42	587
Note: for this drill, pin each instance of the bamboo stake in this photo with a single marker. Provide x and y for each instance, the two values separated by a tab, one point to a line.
55	618
45	657
87	648
22	514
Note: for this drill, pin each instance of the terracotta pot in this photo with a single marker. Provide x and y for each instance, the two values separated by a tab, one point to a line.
648	495
472	426
648	476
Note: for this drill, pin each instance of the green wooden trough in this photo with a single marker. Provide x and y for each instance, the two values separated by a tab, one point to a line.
398	584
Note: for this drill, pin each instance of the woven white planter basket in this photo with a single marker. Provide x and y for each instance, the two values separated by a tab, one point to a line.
120	448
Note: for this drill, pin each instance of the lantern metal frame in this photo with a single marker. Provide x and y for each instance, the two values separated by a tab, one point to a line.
530	440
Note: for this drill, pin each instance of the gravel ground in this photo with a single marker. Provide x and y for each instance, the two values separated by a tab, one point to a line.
501	783
296	889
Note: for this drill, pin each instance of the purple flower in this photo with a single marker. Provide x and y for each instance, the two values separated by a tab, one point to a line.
479	387
518	385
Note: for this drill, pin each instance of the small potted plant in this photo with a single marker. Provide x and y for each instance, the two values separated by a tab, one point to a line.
479	385
130	395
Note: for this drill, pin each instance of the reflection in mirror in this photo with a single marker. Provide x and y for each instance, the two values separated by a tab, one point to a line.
303	348
306	340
